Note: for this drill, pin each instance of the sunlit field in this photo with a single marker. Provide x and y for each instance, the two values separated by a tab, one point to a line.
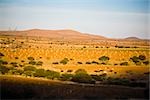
78	62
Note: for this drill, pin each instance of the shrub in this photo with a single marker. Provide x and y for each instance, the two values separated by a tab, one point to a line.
88	62
52	74
3	62
40	73
81	71
135	59
3	69
98	77
30	58
16	58
14	64
1	54
142	57
32	62
66	77
146	62
28	73
124	64
55	63
69	70
64	61
82	78
104	58
118	81
39	63
29	68
79	62
94	62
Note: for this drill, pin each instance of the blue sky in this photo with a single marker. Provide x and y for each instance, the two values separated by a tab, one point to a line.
110	18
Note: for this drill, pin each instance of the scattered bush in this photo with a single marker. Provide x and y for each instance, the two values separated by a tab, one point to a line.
104	58
16	58
83	78
3	69
32	62
3	62
39	63
1	54
142	57
94	62
30	58
98	77
124	64
81	71
79	62
146	62
66	77
64	61
88	62
55	63
40	73
69	70
52	74
29	68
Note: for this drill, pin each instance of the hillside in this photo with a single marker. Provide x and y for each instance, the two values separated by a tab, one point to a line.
56	34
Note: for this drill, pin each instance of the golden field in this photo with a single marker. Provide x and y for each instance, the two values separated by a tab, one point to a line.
49	51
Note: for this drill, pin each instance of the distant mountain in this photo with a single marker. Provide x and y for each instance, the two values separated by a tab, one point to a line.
132	38
56	34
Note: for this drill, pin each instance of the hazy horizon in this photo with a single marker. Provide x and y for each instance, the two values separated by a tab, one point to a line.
109	18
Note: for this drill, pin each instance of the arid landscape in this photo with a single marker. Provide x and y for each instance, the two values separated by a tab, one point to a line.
73	60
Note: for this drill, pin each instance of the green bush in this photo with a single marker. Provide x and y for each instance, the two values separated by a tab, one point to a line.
104	58
135	59
3	62
81	71
3	69
28	73
39	63
83	78
32	62
29	68
64	61
52	74
124	64
66	77
40	73
98	77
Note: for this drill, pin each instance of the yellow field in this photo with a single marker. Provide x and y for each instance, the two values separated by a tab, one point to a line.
49	53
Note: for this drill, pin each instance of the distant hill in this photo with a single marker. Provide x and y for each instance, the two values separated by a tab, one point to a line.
132	38
56	34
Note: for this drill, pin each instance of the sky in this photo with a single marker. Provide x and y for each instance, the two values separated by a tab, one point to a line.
109	18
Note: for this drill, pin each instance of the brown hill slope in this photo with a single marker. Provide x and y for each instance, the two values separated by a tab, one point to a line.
56	34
